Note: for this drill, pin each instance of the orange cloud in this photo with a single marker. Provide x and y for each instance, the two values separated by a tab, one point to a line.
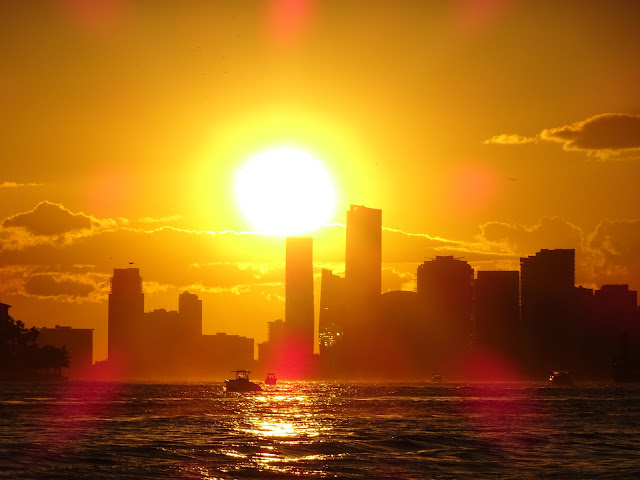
15	184
510	139
549	232
615	245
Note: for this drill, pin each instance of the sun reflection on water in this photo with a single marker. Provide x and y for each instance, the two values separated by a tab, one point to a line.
279	415
274	432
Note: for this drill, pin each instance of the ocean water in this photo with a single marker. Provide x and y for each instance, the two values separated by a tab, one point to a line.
319	430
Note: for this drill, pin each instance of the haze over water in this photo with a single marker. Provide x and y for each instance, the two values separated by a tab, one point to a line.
319	430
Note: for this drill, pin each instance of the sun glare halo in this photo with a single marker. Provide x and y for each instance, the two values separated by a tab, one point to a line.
285	191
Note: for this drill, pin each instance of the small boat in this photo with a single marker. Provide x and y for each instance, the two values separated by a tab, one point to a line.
271	379
561	378
437	378
241	383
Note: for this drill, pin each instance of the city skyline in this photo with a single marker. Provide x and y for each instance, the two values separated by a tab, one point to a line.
484	131
466	324
412	285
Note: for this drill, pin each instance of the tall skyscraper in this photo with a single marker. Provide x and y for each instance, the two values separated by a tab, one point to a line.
363	266
445	289
446	286
617	310
547	286
299	292
363	258
126	310
497	316
190	310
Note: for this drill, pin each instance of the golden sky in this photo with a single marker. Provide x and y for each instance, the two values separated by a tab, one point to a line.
483	129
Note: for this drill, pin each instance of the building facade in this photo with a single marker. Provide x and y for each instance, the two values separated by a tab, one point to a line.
547	292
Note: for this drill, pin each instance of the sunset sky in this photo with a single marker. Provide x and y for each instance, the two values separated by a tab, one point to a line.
483	129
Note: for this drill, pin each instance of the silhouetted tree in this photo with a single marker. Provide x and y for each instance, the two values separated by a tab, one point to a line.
21	356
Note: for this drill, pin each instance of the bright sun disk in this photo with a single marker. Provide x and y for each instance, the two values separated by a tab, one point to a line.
285	191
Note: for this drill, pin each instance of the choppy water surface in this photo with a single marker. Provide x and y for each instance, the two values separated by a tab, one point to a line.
316	430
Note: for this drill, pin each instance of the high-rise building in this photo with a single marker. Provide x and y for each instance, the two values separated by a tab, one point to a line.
497	314
79	345
547	293
445	285
332	309
190	309
363	257
363	268
126	309
445	290
276	331
617	310
299	293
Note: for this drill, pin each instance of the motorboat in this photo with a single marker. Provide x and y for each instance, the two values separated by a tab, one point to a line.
241	383
271	379
561	378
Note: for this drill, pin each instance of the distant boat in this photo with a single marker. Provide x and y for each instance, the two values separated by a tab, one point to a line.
271	379
437	378
241	383
561	378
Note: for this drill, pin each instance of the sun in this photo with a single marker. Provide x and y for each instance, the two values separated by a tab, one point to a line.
285	191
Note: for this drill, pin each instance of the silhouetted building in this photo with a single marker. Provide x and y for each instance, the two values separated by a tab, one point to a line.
190	309
363	258
162	351
276	331
401	339
587	359
617	311
79	345
363	268
332	310
497	315
4	311
270	351
165	344
126	307
299	293
445	289
547	305
222	353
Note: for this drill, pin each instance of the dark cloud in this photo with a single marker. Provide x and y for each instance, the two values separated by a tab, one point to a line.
605	135
607	132
50	285
49	219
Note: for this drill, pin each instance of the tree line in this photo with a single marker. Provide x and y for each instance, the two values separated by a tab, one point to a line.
22	358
